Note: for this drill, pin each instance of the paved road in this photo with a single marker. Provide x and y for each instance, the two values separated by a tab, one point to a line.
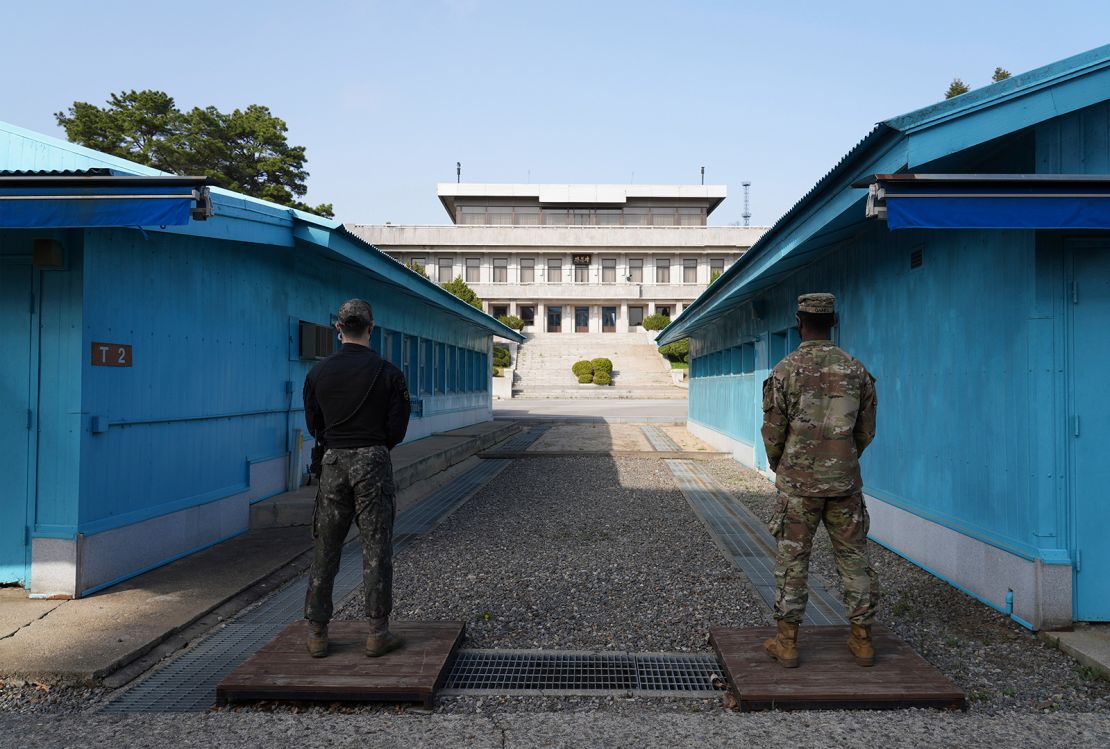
611	411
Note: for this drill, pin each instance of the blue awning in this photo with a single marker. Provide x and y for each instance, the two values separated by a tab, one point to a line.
916	201
54	201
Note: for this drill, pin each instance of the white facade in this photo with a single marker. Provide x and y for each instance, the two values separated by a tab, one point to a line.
590	271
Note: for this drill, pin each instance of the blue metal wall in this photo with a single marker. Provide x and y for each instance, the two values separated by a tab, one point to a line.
949	344
215	380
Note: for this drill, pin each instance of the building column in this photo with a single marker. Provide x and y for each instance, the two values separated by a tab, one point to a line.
651	308
512	308
622	321
541	319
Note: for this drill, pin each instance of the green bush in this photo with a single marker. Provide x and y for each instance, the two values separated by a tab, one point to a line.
501	356
498	372
677	351
602	365
583	367
585	379
656	322
603	378
511	321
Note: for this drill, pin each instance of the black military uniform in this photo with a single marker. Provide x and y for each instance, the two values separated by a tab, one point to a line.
357	407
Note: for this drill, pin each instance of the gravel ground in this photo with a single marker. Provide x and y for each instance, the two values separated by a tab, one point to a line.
596	553
576	553
637	724
997	662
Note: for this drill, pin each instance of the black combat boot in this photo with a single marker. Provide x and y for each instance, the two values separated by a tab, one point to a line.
317	641
380	640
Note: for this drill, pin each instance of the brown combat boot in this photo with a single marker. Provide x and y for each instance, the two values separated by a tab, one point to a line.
783	647
317	641
859	642
380	640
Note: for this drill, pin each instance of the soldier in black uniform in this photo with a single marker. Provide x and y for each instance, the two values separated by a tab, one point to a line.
356	405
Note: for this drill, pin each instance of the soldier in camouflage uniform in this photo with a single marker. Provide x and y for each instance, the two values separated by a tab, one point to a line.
357	408
818	417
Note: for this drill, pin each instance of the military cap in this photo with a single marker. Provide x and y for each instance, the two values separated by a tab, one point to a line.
355	313
817	304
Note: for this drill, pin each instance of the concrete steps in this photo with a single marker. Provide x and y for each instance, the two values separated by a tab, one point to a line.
544	368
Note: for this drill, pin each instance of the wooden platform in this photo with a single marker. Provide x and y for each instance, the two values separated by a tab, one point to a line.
283	670
827	676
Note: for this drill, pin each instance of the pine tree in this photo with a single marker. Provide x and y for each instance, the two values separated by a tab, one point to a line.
955	88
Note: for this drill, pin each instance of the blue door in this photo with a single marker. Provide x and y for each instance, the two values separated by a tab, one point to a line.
1090	429
15	403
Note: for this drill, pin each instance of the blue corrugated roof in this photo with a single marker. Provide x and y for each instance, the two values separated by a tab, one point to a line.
892	129
25	151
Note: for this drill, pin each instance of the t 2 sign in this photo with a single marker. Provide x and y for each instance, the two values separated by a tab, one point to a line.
111	354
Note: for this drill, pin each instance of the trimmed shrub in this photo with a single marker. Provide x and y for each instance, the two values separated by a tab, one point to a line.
677	351
602	365
498	372
583	367
656	322
511	321
501	356
603	378
585	379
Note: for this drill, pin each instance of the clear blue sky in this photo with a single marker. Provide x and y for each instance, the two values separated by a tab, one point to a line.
387	96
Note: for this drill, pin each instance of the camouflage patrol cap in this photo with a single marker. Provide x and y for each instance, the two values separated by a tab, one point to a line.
355	314
817	304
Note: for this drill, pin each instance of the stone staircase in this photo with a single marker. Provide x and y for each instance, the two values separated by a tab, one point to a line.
543	367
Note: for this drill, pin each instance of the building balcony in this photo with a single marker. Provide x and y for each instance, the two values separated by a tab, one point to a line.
569	291
608	238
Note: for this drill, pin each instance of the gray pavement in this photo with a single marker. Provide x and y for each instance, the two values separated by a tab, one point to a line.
604	411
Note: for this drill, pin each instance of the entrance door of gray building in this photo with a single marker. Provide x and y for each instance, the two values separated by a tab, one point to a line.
1089	429
554	319
16	417
581	319
608	319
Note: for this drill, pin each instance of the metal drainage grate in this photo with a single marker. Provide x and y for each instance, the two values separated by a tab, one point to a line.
660	440
746	541
512	672
188	684
522	440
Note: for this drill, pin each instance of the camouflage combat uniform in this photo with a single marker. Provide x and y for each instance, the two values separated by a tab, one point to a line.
818	417
355	484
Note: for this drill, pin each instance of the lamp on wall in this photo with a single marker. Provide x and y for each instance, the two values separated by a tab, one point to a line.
48	254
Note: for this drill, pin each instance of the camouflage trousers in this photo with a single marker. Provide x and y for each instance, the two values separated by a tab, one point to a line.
355	484
794	523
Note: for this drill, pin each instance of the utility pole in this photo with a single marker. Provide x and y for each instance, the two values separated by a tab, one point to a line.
458	171
703	175
747	215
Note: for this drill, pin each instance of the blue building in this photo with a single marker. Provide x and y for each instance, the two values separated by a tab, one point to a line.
156	335
968	244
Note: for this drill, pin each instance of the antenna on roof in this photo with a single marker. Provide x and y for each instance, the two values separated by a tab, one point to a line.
458	171
747	214
703	175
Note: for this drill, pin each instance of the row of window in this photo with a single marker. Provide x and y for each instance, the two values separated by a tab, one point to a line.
444	270
609	315
731	361
431	367
507	215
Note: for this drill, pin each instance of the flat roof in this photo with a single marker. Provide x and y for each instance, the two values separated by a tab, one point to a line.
581	194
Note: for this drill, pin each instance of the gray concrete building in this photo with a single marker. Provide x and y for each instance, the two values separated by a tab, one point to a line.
573	258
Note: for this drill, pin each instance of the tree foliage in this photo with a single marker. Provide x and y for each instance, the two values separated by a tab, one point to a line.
1000	74
419	269
245	150
955	88
459	288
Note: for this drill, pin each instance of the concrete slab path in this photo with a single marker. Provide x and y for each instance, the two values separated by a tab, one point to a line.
607	411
